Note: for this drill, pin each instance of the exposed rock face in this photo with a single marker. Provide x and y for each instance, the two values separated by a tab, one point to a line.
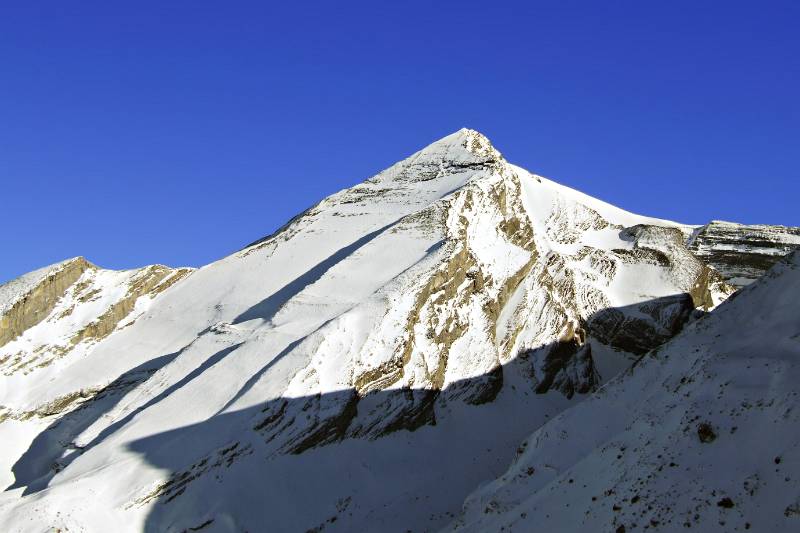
150	281
439	309
72	306
652	324
666	246
566	365
743	253
37	303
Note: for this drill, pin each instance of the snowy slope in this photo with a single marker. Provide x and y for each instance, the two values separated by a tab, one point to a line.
702	434
364	368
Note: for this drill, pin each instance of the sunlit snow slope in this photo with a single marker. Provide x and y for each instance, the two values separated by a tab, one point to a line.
363	369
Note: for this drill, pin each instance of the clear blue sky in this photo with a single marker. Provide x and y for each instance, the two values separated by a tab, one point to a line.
176	132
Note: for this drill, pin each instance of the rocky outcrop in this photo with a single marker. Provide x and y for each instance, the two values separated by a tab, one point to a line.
35	305
566	365
641	328
742	253
150	281
666	247
74	303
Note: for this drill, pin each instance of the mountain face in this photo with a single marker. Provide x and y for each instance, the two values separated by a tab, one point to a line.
701	434
365	368
69	307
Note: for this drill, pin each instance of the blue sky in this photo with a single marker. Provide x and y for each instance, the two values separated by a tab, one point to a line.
176	132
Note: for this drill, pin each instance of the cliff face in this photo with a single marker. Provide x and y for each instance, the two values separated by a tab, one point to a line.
36	303
743	253
387	350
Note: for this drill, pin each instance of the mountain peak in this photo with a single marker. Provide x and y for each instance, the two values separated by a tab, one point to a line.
465	147
471	140
403	317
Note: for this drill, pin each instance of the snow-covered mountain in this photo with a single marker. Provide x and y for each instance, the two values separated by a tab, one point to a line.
701	434
365	368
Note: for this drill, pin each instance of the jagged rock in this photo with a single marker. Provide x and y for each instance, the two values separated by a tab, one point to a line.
27	302
642	327
742	253
566	365
68	306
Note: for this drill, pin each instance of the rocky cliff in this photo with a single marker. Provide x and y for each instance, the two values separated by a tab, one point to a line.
742	253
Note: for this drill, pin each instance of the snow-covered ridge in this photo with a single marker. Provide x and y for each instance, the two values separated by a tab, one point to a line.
406	317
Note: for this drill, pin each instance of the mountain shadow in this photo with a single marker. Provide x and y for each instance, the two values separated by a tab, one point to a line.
235	469
45	456
267	308
271	466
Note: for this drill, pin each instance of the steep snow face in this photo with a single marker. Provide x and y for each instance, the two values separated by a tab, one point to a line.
743	253
701	434
364	368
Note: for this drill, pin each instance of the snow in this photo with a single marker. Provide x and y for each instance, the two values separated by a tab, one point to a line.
410	288
608	211
631	454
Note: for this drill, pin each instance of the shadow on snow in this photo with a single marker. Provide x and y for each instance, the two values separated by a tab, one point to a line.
270	462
